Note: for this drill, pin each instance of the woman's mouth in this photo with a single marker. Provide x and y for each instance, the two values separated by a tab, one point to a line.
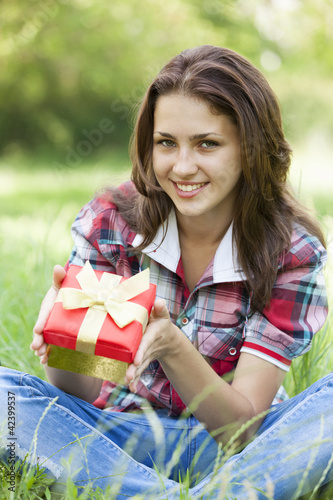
188	190
189	187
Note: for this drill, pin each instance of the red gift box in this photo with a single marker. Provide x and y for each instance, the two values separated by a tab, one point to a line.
104	297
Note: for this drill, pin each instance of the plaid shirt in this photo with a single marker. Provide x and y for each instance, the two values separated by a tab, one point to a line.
216	316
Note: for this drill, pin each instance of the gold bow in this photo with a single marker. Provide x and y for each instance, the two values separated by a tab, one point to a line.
102	297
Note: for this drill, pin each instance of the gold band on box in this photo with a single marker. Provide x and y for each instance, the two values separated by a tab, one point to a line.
80	362
101	297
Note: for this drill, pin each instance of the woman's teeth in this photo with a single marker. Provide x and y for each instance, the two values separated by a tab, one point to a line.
189	187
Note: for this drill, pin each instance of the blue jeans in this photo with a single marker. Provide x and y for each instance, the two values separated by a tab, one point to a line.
290	454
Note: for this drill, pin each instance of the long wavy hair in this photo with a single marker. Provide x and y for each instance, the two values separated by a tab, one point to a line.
266	210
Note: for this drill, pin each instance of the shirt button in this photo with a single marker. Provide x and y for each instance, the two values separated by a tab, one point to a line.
232	351
184	321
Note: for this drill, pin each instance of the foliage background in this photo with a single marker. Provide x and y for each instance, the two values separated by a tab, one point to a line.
68	64
71	73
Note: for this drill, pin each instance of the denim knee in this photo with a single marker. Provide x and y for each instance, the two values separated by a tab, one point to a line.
10	377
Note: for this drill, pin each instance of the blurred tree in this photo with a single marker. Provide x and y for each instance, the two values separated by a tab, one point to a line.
71	71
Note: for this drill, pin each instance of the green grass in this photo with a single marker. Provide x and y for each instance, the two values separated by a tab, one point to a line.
37	207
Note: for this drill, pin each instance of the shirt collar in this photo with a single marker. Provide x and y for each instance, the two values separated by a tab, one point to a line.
166	252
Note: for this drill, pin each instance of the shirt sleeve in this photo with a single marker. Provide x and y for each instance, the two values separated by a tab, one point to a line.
298	307
99	235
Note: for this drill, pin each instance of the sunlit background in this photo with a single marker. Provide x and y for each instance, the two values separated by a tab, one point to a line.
72	71
71	74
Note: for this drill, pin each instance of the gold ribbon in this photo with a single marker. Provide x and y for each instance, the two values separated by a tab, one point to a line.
79	362
102	297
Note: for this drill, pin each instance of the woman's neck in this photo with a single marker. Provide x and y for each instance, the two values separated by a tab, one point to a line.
202	233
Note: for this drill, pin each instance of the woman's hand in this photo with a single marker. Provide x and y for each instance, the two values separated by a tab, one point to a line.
160	339
38	345
77	384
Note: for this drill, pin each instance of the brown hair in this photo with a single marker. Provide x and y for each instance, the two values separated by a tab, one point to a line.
266	210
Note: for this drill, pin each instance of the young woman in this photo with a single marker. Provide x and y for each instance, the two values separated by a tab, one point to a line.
240	292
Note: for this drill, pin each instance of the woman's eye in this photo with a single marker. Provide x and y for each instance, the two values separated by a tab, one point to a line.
167	143
208	144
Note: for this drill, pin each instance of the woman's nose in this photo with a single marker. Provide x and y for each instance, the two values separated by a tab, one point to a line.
185	164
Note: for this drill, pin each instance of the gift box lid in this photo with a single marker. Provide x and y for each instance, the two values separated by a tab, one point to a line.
63	325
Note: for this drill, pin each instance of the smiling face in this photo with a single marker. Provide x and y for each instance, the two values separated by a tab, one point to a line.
196	159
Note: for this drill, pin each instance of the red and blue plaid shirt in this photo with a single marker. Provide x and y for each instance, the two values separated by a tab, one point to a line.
216	316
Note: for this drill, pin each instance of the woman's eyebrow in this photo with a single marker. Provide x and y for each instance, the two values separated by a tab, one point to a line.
165	134
203	136
192	137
